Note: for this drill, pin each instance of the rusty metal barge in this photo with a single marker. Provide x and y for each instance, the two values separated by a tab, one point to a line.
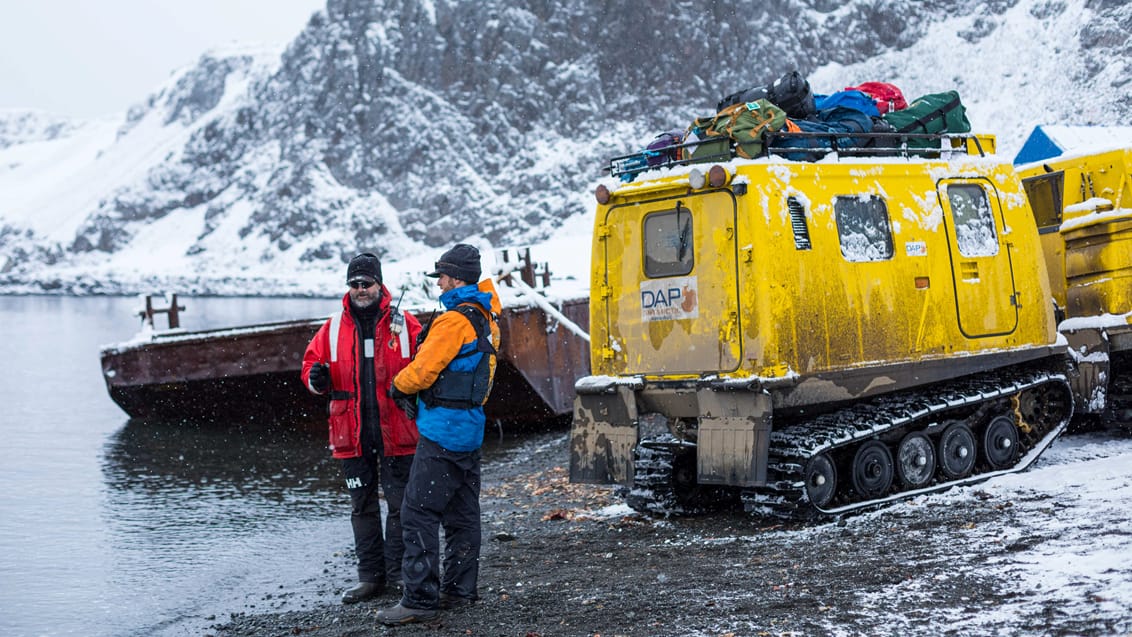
251	373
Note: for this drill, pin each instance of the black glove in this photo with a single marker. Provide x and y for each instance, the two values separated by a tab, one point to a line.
320	377
408	405
405	402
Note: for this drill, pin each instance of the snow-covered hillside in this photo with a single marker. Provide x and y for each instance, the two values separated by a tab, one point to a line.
402	126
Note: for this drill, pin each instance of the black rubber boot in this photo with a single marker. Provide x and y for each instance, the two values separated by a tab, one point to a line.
401	615
363	591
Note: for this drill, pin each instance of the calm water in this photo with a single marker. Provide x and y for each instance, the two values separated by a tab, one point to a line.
110	526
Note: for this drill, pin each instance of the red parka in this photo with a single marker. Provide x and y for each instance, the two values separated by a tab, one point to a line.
392	352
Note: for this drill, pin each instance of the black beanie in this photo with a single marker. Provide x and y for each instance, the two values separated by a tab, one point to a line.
461	262
365	264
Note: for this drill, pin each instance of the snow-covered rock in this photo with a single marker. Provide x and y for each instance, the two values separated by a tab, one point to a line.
402	126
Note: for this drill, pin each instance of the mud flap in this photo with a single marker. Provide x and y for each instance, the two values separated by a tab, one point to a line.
734	438
602	437
1089	349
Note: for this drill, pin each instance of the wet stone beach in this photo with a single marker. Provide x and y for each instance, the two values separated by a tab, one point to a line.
566	559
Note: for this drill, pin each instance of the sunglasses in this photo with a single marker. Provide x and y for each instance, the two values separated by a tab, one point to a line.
359	284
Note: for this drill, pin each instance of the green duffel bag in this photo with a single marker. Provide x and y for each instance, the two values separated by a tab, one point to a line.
935	113
744	124
702	143
748	124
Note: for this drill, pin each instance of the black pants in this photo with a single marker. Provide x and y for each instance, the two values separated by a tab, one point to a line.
378	560
443	490
394	477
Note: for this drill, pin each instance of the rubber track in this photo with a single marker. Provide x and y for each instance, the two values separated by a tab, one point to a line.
791	448
652	476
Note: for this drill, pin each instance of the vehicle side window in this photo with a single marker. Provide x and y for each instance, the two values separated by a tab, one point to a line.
862	226
668	242
974	221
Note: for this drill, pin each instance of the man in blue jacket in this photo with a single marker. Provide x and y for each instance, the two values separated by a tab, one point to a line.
451	375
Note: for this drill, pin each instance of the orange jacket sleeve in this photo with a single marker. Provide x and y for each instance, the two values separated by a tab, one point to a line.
449	332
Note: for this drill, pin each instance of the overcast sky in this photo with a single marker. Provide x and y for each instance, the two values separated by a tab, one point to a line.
92	58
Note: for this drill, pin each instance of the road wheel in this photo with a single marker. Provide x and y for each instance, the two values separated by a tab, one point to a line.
915	460
957	451
821	480
1000	443
872	469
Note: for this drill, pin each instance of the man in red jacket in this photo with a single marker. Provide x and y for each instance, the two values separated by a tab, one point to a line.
354	357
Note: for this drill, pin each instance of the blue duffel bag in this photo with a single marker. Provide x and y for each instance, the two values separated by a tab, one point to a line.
840	126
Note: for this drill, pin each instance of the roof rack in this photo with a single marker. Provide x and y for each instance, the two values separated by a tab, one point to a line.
801	146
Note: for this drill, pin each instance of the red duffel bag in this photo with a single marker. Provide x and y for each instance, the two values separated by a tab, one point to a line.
887	96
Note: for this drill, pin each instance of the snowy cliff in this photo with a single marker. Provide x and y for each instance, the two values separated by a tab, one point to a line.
402	126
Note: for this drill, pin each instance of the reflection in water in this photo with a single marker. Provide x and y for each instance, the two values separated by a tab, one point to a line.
179	468
230	499
256	461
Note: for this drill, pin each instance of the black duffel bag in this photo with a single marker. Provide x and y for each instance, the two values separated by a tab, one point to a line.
753	94
792	93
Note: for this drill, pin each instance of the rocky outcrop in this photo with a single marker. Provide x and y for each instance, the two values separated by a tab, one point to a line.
399	125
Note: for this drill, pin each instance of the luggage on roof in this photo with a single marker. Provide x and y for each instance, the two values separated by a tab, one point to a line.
888	97
664	148
869	120
792	93
744	124
838	128
848	98
753	94
936	113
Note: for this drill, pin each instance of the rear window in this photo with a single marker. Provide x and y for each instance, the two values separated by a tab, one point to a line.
862	226
668	242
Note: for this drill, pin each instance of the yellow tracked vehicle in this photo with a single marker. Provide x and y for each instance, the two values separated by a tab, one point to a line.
1083	208
814	337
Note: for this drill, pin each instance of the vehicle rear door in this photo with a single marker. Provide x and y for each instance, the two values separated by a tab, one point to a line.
670	268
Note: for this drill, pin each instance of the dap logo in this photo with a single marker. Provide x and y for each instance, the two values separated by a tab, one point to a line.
670	299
